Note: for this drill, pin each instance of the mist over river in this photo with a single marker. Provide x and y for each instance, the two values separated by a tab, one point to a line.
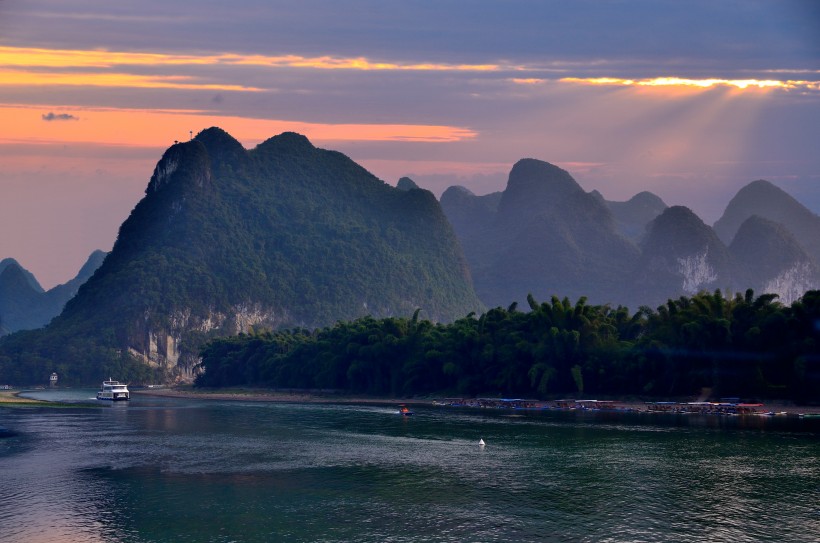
164	469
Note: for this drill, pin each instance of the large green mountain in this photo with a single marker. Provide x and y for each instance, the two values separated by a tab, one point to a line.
225	239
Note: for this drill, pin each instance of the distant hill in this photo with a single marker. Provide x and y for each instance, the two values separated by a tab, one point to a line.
228	240
768	258
32	281
545	236
765	200
23	303
679	256
405	183
633	216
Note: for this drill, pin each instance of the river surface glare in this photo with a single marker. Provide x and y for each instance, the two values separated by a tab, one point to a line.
168	470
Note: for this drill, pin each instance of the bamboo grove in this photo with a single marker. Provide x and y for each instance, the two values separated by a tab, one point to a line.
746	346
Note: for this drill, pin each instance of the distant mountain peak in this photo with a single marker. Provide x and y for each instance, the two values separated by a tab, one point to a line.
216	136
290	142
32	281
681	255
531	172
405	183
768	258
647	198
23	307
14	274
766	200
537	186
759	198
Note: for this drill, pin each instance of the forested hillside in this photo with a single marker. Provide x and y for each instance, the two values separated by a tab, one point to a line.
226	238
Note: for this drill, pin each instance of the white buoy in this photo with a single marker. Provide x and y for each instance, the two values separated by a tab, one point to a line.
481	443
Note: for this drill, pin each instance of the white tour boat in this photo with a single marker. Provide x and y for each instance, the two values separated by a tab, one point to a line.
114	391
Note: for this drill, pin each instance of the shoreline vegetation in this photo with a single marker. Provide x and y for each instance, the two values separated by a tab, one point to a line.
295	396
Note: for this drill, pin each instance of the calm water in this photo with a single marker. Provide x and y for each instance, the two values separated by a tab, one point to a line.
159	470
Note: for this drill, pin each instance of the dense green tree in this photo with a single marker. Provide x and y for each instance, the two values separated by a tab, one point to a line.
734	346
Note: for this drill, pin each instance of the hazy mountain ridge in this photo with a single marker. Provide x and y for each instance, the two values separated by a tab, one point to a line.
32	281
633	216
547	236
284	235
24	305
768	201
767	257
680	255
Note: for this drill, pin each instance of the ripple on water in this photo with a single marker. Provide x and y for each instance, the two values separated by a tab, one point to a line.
201	471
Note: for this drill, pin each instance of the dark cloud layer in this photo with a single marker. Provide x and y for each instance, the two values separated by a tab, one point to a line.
731	34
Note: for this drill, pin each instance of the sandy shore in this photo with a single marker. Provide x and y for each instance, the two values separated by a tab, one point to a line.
263	395
10	398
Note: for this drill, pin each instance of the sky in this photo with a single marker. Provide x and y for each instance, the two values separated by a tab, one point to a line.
689	100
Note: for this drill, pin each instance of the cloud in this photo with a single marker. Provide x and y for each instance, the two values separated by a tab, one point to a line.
51	116
741	84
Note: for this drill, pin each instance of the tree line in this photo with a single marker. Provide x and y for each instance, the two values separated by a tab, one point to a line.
746	346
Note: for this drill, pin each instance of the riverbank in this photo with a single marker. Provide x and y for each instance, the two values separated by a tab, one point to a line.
266	395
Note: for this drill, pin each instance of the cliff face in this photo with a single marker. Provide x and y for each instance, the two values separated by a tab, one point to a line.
228	240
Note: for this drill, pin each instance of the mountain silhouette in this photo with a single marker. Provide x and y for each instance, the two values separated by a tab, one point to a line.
765	200
32	281
23	303
633	216
545	236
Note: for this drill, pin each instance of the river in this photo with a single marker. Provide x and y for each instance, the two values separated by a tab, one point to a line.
171	470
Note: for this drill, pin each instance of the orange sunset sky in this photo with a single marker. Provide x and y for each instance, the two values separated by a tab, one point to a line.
689	100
